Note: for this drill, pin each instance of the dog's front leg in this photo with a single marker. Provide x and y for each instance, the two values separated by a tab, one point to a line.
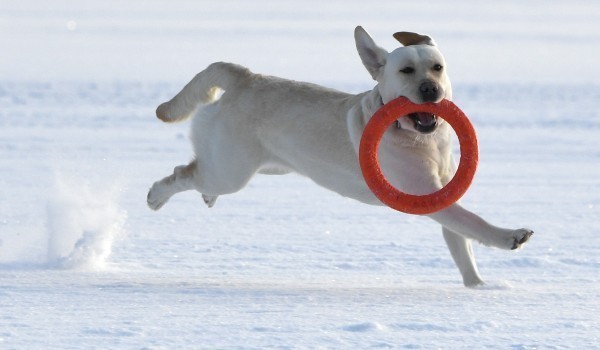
467	224
462	254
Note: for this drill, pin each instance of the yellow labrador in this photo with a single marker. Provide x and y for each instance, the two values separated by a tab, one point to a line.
246	123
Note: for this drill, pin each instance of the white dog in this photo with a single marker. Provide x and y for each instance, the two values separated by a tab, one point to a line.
268	125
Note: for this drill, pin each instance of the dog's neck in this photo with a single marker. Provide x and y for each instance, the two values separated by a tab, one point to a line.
358	116
370	103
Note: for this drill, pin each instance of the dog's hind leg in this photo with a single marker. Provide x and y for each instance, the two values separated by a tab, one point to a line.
462	254
181	180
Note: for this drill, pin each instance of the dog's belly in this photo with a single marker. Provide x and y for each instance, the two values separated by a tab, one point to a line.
348	185
333	167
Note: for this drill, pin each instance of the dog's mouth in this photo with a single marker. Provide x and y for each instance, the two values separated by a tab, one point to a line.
424	123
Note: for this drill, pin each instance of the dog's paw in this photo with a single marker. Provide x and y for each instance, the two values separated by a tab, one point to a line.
474	282
209	200
156	197
520	237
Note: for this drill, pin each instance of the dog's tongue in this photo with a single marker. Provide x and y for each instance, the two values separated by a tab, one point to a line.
425	119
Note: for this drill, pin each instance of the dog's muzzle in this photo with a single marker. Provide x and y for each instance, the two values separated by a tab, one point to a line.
429	91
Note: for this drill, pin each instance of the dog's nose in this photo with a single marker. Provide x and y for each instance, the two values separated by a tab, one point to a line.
429	91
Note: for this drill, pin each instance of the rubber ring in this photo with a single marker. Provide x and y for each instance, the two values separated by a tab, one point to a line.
418	204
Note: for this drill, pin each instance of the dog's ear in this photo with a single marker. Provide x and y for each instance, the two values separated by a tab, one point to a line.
372	56
409	38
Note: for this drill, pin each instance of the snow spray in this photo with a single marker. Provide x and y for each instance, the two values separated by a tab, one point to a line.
82	225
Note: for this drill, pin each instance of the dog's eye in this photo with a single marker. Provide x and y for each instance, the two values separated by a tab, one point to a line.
407	70
438	67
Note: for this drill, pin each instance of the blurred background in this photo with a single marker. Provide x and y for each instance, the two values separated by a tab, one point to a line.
483	41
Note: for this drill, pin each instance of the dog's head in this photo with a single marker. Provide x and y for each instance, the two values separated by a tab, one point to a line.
416	71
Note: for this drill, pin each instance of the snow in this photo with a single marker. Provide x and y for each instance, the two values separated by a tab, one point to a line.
283	263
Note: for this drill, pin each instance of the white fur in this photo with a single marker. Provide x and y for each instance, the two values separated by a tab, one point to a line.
265	124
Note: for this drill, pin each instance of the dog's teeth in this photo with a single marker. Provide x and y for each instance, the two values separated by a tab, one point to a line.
398	126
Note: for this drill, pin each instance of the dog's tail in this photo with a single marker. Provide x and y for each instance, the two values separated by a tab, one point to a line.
204	88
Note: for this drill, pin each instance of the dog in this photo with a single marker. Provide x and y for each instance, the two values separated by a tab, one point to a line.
246	123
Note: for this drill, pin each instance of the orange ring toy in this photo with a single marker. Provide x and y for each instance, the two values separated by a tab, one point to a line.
418	204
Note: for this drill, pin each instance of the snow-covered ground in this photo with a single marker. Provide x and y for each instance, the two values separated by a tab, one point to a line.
286	264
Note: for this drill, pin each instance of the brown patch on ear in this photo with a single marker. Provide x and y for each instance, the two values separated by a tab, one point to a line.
410	38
